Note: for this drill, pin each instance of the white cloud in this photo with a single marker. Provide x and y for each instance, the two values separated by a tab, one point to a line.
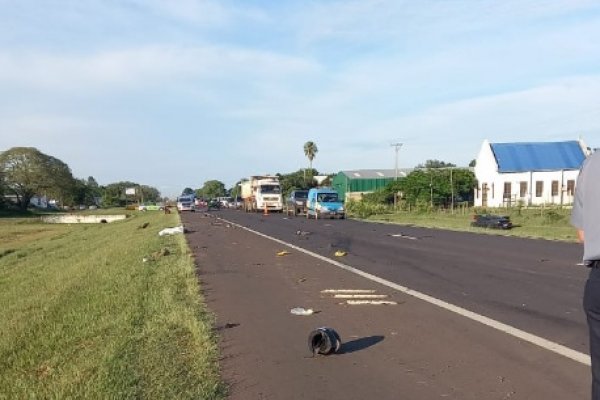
145	66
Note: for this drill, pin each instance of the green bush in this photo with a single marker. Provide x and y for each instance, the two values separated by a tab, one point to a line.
364	209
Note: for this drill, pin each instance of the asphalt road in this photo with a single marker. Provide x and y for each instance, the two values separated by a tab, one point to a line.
415	347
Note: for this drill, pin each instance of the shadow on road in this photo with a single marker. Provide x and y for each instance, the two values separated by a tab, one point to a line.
359	344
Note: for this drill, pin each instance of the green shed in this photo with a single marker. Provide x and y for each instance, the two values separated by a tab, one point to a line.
353	183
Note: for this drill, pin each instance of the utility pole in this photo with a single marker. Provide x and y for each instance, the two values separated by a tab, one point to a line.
397	148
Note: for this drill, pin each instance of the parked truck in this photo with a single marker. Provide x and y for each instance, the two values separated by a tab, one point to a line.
260	193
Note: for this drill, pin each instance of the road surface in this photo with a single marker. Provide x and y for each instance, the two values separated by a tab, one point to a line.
414	349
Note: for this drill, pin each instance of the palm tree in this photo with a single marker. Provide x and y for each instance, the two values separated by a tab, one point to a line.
310	151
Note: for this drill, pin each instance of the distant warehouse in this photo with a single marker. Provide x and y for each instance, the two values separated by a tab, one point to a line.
352	184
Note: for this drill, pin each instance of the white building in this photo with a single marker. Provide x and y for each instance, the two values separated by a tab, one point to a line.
533	173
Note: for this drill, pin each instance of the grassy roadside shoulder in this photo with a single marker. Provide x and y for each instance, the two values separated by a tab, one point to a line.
550	224
83	316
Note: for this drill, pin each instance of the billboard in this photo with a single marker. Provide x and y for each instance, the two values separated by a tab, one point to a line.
130	191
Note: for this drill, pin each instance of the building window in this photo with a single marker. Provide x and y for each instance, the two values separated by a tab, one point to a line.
507	190
539	188
570	187
523	189
554	188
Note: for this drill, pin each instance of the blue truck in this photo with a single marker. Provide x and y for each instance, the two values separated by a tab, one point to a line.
324	203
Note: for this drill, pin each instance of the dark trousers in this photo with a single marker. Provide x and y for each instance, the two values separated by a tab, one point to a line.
591	305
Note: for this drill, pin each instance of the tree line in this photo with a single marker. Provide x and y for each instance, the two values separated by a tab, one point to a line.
26	172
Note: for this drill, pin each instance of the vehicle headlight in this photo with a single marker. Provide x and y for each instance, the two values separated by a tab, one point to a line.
341	209
323	208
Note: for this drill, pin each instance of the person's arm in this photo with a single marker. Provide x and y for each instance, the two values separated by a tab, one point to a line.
580	235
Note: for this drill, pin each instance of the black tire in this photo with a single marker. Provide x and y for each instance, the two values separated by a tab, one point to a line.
324	341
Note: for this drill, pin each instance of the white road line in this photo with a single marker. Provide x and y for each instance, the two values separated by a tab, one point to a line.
360	296
502	327
371	302
347	291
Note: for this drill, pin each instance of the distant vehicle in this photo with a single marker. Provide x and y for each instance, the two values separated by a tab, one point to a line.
186	203
200	203
214	204
226	202
492	221
324	203
262	193
295	203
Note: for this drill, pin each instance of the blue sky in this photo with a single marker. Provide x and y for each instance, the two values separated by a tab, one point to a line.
177	92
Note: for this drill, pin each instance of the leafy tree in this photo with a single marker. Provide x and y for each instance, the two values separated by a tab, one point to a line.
27	172
211	189
187	191
295	180
437	186
435	164
113	195
473	163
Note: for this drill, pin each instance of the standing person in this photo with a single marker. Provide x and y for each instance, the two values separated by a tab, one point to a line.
586	218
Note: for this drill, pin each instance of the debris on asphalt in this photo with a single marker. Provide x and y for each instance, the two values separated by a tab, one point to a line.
340	253
324	341
302	311
303	233
402	235
283	253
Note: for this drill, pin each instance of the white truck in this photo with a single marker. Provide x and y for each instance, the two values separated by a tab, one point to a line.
262	193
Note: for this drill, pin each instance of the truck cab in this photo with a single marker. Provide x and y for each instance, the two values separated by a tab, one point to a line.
324	203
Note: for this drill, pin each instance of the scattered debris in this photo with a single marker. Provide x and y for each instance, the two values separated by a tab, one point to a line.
145	259
283	253
324	341
172	231
162	252
302	311
303	233
144	225
301	280
340	253
402	235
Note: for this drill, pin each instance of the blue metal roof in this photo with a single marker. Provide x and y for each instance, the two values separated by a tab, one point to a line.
539	156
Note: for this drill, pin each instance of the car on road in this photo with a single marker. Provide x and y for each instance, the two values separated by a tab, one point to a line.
186	203
324	203
492	221
214	204
295	203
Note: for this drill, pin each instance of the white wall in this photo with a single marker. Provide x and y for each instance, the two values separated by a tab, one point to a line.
486	172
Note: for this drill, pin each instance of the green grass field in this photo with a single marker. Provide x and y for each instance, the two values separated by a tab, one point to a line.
550	223
83	316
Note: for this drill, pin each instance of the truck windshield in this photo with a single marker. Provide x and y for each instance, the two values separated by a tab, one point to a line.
328	197
270	189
